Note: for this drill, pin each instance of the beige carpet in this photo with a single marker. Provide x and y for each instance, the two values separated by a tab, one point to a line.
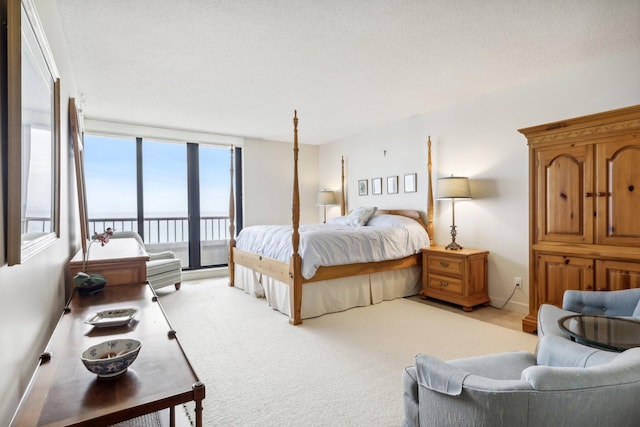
341	369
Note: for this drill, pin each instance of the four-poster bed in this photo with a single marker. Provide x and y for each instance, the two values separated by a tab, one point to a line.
330	287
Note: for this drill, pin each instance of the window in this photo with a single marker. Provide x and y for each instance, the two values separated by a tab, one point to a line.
174	194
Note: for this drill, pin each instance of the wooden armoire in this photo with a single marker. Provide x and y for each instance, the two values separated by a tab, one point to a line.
584	198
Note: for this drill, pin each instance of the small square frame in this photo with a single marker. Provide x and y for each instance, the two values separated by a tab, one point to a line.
376	186
363	187
392	184
410	183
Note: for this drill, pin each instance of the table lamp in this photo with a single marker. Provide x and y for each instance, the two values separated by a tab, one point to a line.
324	198
453	188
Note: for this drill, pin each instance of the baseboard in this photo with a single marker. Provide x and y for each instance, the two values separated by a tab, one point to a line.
205	273
515	306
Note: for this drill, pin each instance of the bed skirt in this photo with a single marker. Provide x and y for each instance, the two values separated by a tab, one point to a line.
330	296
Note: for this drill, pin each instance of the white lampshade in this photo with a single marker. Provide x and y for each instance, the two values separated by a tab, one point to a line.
325	197
453	187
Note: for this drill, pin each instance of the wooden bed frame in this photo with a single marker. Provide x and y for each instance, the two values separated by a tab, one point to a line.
291	272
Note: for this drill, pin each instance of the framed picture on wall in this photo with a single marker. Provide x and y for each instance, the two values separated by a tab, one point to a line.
410	183
376	185
363	187
392	184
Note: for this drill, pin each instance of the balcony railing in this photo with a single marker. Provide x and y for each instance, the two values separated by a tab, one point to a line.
33	224
166	229
172	234
161	234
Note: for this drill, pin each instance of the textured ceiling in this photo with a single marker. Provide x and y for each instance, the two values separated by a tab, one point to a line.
240	67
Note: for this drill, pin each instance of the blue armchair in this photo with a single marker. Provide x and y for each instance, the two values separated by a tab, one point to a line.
623	303
563	384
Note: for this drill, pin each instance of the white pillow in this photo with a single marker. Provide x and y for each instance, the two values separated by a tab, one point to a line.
340	220
388	220
360	216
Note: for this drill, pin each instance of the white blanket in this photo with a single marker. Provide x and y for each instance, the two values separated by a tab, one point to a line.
394	237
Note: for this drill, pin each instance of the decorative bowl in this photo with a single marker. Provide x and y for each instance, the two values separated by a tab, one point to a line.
112	358
89	284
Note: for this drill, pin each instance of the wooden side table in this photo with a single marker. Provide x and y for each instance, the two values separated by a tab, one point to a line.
459	277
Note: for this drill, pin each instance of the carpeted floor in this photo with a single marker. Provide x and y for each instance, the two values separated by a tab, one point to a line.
341	369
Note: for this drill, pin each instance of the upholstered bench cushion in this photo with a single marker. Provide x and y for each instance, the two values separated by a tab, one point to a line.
162	266
164	272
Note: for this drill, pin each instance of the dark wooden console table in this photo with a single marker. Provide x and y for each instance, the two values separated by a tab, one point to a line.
62	392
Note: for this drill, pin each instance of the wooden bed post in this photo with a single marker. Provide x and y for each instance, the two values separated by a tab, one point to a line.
429	193
295	266
343	203
232	215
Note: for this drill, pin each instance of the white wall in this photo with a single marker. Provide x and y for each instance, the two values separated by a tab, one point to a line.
32	294
268	182
478	138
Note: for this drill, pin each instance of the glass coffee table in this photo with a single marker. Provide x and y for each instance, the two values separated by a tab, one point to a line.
608	333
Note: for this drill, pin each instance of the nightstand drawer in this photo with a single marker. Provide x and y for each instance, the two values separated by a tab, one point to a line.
445	264
445	283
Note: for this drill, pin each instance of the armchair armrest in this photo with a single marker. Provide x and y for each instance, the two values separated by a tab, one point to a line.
494	373
558	351
438	375
621	369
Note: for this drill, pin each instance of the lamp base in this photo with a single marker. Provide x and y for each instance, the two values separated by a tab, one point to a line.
453	246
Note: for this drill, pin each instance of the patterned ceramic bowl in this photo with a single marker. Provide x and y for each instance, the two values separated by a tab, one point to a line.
111	358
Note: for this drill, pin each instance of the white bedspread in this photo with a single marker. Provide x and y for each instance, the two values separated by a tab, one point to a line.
327	245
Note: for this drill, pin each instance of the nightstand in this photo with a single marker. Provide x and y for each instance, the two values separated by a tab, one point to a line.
459	277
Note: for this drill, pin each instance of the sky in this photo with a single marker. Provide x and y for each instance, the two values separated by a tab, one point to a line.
110	171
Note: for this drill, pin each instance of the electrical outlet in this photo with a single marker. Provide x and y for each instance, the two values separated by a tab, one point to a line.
517	281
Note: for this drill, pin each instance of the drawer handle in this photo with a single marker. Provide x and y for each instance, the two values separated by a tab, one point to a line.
444	264
442	283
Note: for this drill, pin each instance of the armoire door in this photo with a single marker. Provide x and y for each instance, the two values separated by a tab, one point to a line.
618	192
617	275
564	193
557	274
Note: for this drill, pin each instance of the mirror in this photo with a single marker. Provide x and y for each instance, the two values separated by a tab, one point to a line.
75	127
33	220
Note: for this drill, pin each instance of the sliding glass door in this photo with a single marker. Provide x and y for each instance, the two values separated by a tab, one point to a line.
175	195
165	198
214	204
